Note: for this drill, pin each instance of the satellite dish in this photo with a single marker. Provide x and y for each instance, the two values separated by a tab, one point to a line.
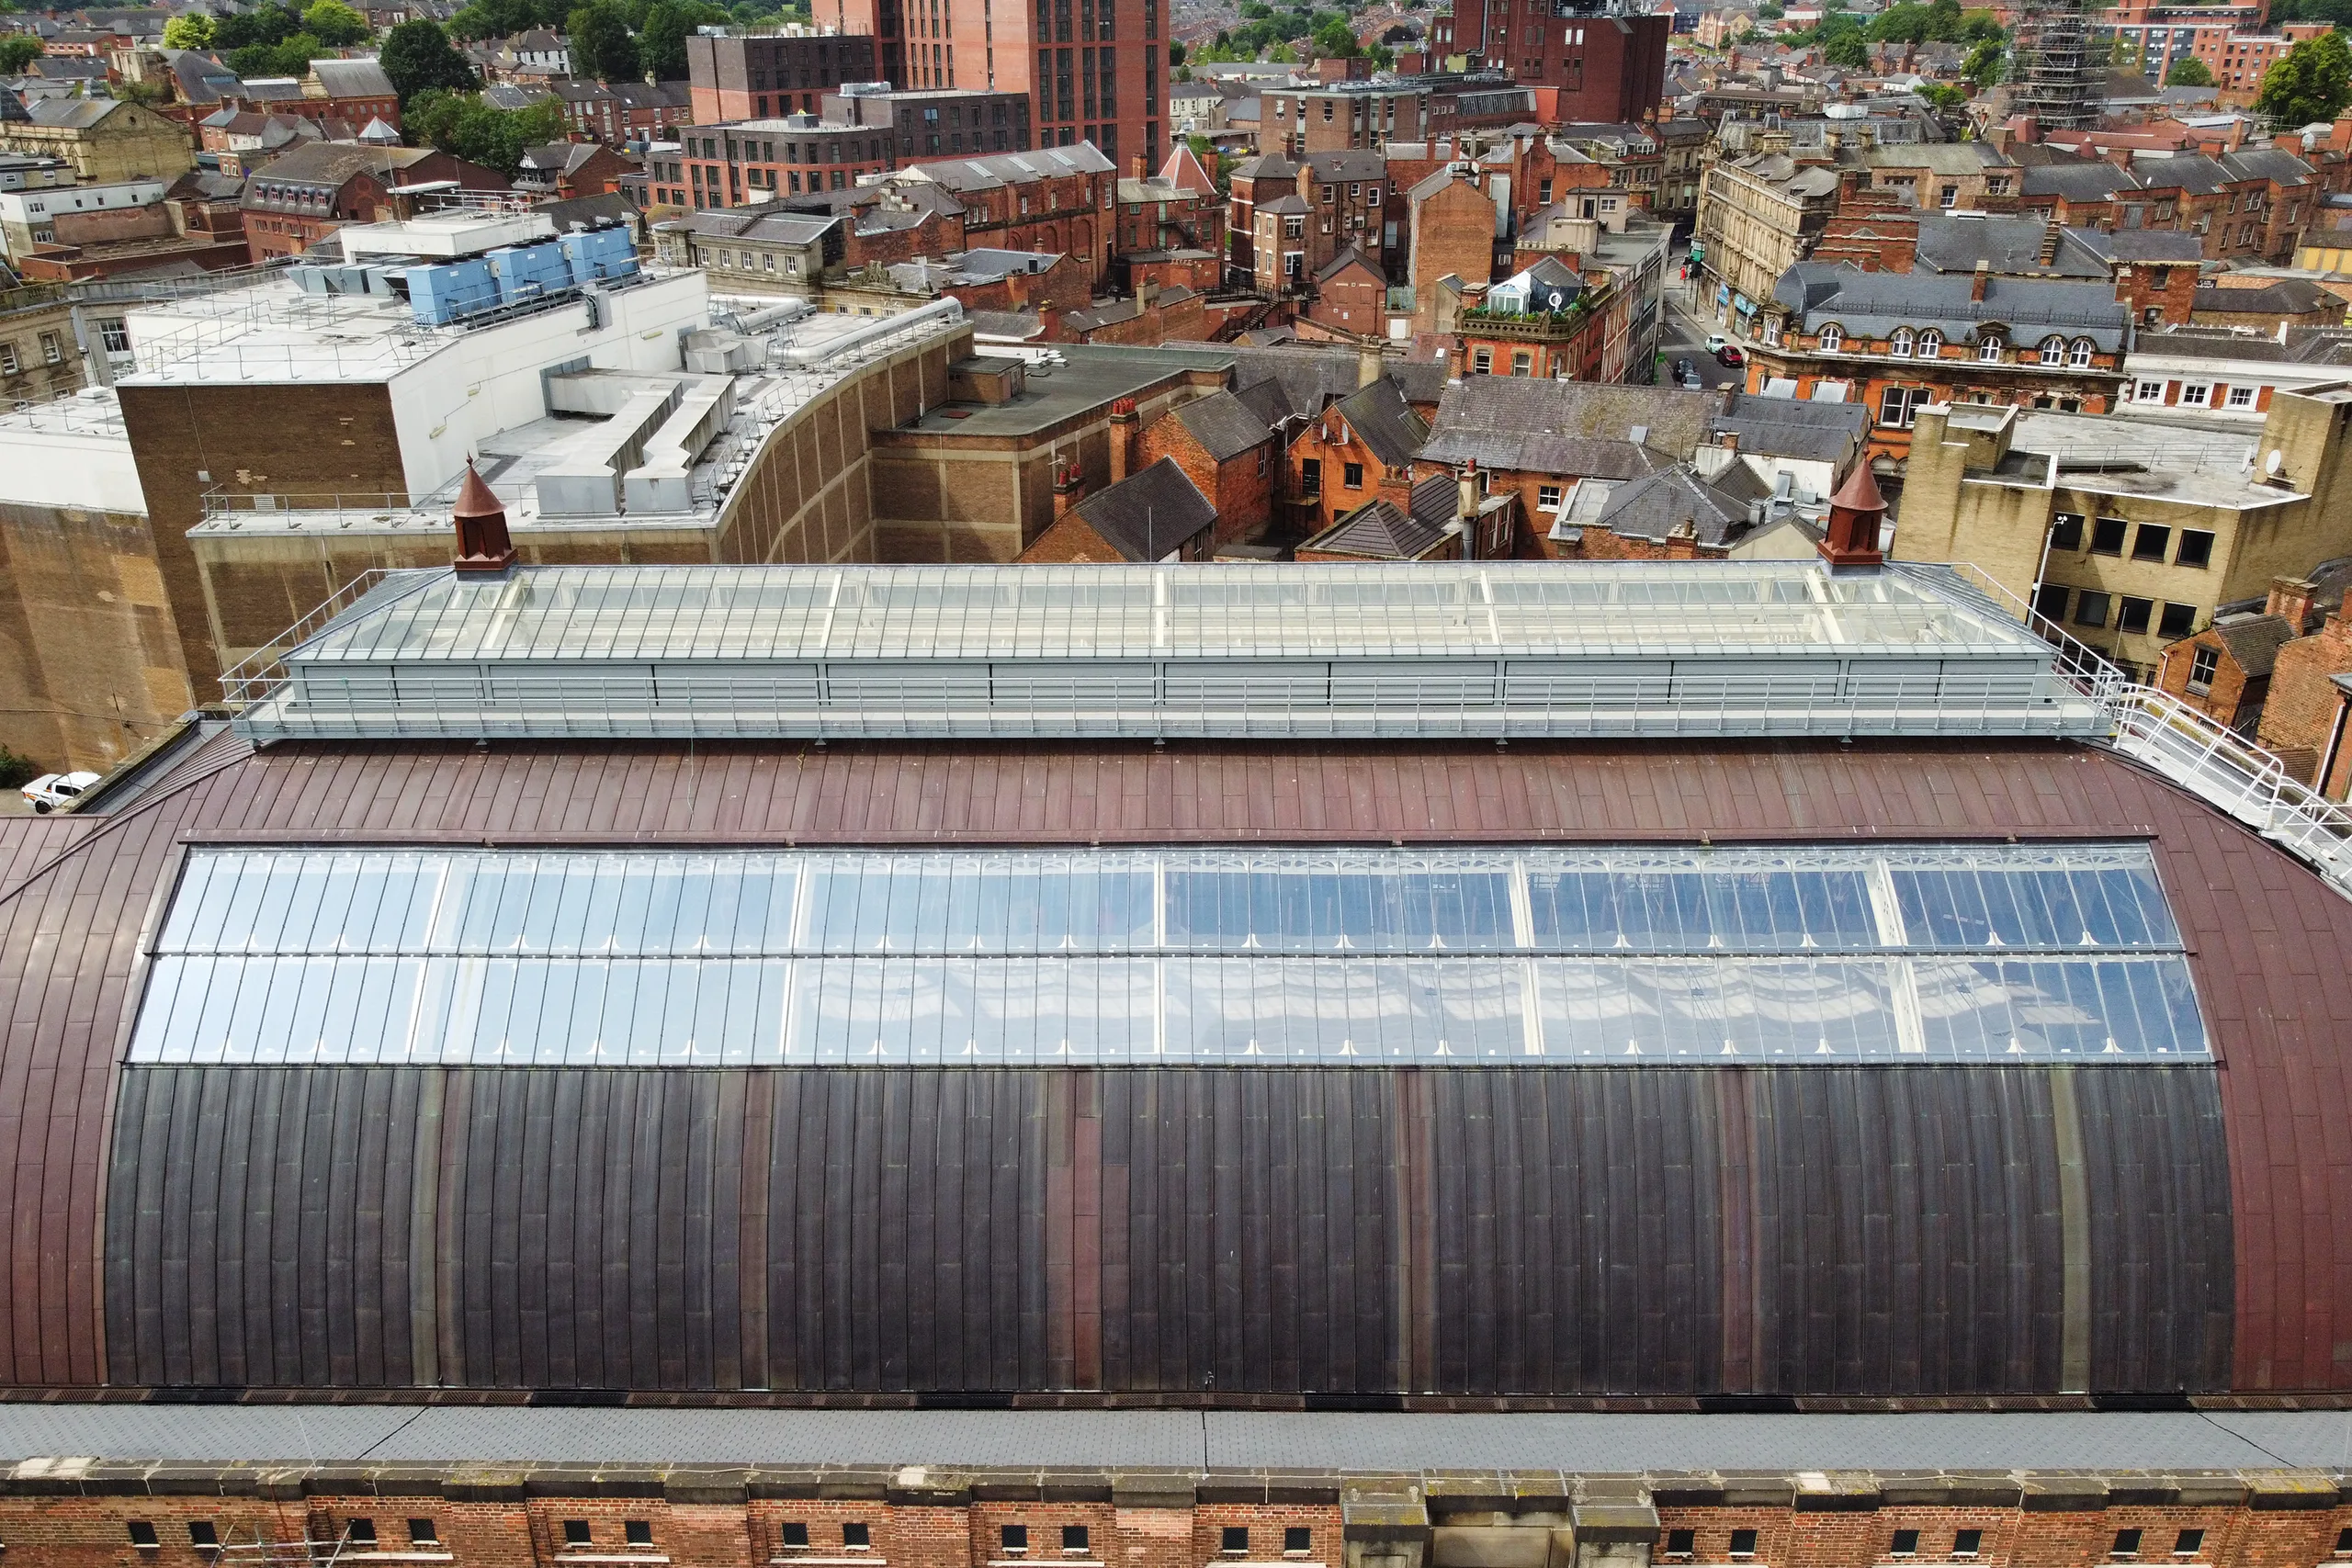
2272	461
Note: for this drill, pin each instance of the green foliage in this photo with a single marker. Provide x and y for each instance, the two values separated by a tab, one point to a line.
662	41
1282	54
191	31
2312	82
335	23
19	50
265	25
1335	39
601	49
1986	64
1940	21
2188	73
16	770
149	94
1976	26
461	124
291	57
1254	11
1176	53
1847	49
1942	96
1770	11
2335	13
418	56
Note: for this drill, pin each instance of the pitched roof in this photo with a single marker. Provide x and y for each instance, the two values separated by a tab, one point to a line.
1000	169
1949	243
1382	530
1543	426
2279	297
2254	641
1222	424
1795	427
1149	516
1267	400
360	77
1379	414
1871	304
1653	508
1185	171
331	163
1349	256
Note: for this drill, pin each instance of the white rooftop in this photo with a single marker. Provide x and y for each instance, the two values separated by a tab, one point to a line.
1503	649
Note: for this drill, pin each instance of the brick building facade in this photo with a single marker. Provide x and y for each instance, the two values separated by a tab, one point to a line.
753	76
854	134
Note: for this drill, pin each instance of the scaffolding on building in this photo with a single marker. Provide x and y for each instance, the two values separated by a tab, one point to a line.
2055	75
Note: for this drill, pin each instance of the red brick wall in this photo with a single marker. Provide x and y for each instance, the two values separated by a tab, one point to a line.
2300	709
1452	231
1241	488
2231	688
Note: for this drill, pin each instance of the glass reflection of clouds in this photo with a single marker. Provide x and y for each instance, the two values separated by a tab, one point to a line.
1565	955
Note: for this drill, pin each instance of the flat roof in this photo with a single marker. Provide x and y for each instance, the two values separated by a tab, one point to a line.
1418	649
1189	1442
1070	378
2194	464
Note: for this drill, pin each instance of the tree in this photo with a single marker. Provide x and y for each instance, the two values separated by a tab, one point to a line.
1846	48
1906	22
462	125
1942	96
662	42
263	24
1986	64
418	55
193	30
1336	41
2312	82
1976	26
19	50
1176	52
1944	21
335	23
2188	73
602	49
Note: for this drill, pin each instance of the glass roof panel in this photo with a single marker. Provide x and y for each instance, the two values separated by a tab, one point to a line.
536	956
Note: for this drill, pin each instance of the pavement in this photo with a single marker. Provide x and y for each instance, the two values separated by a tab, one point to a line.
1686	330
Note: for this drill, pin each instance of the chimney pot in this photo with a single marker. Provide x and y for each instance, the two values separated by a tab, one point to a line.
1123	438
2290	600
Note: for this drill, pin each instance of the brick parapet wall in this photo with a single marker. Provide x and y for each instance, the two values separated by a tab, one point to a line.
80	1516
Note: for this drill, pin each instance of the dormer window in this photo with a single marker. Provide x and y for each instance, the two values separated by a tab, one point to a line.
1989	350
2079	357
1931	344
1833	338
2053	351
1899	344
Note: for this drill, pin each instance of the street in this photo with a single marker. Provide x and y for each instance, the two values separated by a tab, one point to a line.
1685	332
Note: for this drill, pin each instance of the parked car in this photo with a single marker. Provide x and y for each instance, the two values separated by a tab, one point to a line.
50	791
1729	355
1717	342
1683	372
1688	380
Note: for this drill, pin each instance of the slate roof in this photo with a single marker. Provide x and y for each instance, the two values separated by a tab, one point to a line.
2304	345
1949	243
360	77
1349	256
1347	164
2279	297
1380	530
1149	516
2091	179
331	163
1224	425
1873	304
75	114
1795	427
1000	169
1267	400
1379	414
1521	422
2254	641
1653	507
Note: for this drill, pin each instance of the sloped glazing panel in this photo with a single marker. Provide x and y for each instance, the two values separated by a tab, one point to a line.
541	957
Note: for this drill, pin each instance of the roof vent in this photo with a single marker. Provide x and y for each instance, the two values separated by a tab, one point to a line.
483	541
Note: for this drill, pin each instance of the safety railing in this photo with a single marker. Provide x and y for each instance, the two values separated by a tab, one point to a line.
2195	749
263	670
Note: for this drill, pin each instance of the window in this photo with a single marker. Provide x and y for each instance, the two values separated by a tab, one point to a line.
795	1536
360	1532
1948	198
857	1538
1015	1539
1074	1538
1683	1543
2050	602
142	1535
2135	616
2176	620
2344	1542
1905	1544
1352	475
576	1532
2079	356
2053	351
203	1536
1547	495
2127	1543
2066	531
1482	361
2195	395
2151	542
2091	608
2196	549
1989	350
2241	397
114	335
1523	364
422	1533
1965	1543
1931	344
2188	1543
1899	344
1234	1538
2148	393
2203	665
9	364
2107	537
53	348
1896	406
1297	1539
1833	338
1743	1543
1310	476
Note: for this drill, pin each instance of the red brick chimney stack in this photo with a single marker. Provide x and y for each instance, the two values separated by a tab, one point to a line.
483	541
1070	486
1123	438
2290	600
1982	276
1855	514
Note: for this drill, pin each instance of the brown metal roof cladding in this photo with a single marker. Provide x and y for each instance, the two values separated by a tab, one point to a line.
2271	946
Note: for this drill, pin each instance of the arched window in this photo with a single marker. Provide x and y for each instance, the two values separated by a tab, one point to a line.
1899	344
1989	349
1833	338
2080	358
2053	351
1931	344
